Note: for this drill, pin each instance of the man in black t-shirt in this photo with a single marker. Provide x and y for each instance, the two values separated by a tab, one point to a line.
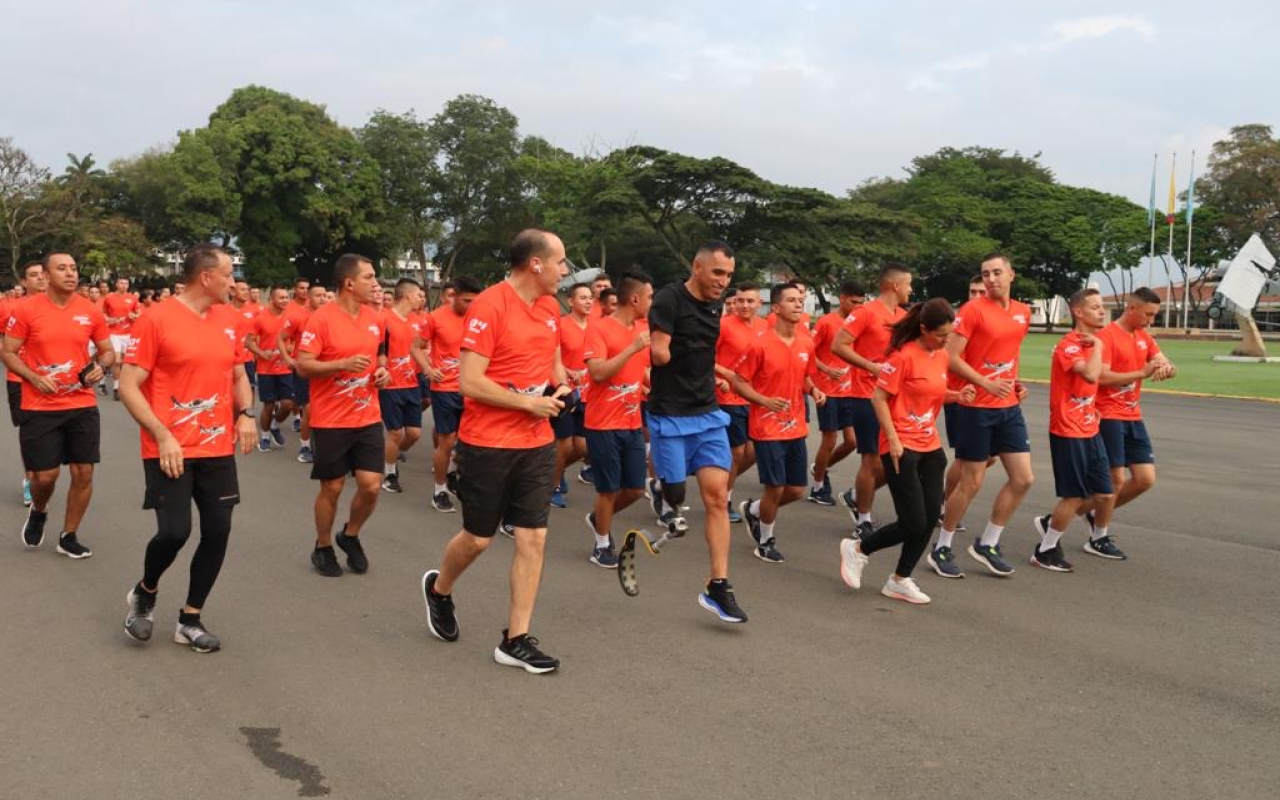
686	425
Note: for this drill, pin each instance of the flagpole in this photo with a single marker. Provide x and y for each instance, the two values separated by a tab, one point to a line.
1191	195
1168	274
1151	220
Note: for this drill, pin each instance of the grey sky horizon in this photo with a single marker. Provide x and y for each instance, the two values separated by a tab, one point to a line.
819	94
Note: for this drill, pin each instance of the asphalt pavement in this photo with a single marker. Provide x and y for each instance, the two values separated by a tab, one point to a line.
1153	678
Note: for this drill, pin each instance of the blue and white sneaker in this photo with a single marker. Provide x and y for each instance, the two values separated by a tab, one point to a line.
821	496
602	556
297	424
734	516
305	456
264	444
585	475
557	499
563	488
753	522
26	493
943	561
278	435
990	557
719	600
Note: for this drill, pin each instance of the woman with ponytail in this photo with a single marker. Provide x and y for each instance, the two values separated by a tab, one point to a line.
910	391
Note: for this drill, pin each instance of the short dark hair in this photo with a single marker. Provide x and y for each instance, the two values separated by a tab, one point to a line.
716	246
975	279
528	244
574	288
775	291
404	285
748	286
852	288
996	254
317	285
299	280
48	258
199	259
467	284
633	281
891	268
1145	295
27	267
1084	294
348	267
605	294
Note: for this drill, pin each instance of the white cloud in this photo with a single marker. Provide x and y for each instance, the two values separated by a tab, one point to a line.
1095	27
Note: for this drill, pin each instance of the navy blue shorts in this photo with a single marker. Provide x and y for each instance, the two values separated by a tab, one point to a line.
737	429
446	411
275	388
1080	466
782	463
949	421
836	414
567	426
1127	442
865	426
617	460
980	433
401	408
251	369
301	389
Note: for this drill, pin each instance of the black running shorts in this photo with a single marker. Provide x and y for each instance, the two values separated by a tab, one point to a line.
206	480
497	485
15	402
342	451
52	438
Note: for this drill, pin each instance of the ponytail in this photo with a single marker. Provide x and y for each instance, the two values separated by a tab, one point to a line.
931	315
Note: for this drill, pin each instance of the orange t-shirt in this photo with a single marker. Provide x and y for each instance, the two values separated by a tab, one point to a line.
1126	352
1072	412
916	381
869	324
736	339
343	399
824	335
573	341
421	325
7	307
191	363
116	308
615	403
520	341
995	337
55	343
446	341
295	319
400	335
266	326
777	369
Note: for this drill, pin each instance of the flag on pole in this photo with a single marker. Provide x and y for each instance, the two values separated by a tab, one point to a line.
1151	204
1173	191
1191	190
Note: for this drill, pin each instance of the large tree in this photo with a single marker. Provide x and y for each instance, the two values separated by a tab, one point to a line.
1243	185
21	185
402	147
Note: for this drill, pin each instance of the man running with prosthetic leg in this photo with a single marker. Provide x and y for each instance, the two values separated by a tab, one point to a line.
616	356
512	381
184	382
686	425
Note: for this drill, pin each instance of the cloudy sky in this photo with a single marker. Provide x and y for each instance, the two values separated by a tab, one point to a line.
823	94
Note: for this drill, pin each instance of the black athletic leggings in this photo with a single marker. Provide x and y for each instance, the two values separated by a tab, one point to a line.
211	484
917	497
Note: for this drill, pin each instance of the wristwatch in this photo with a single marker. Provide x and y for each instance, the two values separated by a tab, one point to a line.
244	412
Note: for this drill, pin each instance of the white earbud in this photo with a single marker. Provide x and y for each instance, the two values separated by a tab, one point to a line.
537	269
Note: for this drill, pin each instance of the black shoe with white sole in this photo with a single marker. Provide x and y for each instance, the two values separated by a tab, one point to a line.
357	562
70	547
442	621
769	552
1051	559
326	562
1104	547
33	528
523	652
441	502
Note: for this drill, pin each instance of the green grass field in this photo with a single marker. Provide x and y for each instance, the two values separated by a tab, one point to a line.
1196	371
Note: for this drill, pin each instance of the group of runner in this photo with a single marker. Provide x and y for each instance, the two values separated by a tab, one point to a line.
649	388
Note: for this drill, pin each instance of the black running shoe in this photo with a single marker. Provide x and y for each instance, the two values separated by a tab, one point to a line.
1104	548
326	562
391	483
864	529
523	652
943	561
356	560
33	528
451	482
1052	559
769	552
508	530
142	606
719	600
752	520
990	557
442	503
70	547
442	621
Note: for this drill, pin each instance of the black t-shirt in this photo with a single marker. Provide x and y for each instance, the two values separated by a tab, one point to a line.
686	385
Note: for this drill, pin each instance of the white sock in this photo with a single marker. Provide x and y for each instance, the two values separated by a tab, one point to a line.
816	486
115	383
991	536
275	426
646	450
602	541
1098	533
754	508
944	537
440	487
1049	540
766	531
389	469
863	518
304	442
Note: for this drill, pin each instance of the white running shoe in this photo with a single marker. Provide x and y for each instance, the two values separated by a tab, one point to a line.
904	589
851	563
